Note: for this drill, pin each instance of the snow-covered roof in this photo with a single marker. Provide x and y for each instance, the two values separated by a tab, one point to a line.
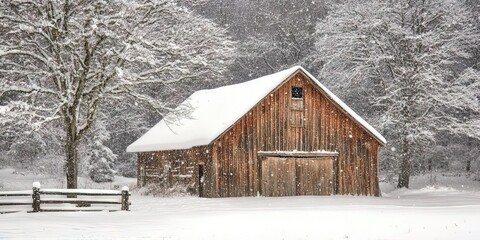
215	110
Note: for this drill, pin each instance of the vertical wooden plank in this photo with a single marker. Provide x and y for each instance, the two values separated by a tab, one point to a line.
247	156
261	119
367	168
258	138
272	122
273	177
347	158
322	127
341	157
321	176
317	121
360	160
280	96
353	175
351	162
268	123
306	120
290	130
313	120
236	173
242	156
285	135
264	180
226	166
221	169
354	161
251	152
276	130
371	170
286	132
218	168
231	165
338	160
218	172
298	177
327	125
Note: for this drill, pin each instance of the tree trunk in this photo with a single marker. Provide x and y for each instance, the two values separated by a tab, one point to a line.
406	158
71	154
71	143
469	162
405	169
404	176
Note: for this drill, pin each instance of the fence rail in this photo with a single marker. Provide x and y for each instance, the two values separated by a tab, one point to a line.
39	198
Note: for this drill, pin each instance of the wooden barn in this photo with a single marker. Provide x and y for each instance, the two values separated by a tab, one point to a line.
283	134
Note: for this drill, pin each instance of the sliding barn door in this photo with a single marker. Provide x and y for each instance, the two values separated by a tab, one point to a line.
278	176
297	176
314	176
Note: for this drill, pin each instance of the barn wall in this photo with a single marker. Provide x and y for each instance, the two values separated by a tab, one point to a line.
176	166
272	125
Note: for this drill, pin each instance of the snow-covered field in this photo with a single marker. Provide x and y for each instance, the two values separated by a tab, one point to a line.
450	210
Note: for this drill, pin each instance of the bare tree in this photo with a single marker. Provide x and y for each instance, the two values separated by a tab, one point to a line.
407	58
67	58
272	34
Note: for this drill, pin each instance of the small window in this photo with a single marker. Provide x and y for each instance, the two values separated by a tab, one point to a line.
297	92
296	107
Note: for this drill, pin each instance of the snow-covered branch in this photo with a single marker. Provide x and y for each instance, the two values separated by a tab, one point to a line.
408	55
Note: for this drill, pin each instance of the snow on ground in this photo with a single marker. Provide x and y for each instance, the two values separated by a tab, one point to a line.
443	211
11	179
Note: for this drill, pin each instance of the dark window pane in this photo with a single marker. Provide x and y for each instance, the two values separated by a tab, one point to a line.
297	92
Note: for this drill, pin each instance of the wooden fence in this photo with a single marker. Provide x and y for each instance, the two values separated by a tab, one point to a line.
41	200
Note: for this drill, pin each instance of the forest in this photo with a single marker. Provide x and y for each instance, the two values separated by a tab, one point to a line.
81	80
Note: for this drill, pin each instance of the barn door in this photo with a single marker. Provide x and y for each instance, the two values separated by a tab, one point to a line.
278	177
314	176
297	176
201	179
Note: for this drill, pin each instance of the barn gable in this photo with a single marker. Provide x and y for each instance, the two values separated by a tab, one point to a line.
288	135
216	110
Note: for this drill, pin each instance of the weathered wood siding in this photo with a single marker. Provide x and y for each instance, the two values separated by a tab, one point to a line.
314	176
176	166
279	122
278	177
289	176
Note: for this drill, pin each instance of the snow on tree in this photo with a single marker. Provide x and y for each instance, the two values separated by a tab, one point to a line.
21	146
65	59
273	34
406	58
100	158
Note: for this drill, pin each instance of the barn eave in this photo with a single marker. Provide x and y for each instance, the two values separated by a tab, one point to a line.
364	125
298	154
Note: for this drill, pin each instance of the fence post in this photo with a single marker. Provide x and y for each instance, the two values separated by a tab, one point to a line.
36	197
125	198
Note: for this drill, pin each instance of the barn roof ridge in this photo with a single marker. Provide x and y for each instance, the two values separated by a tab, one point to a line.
214	111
